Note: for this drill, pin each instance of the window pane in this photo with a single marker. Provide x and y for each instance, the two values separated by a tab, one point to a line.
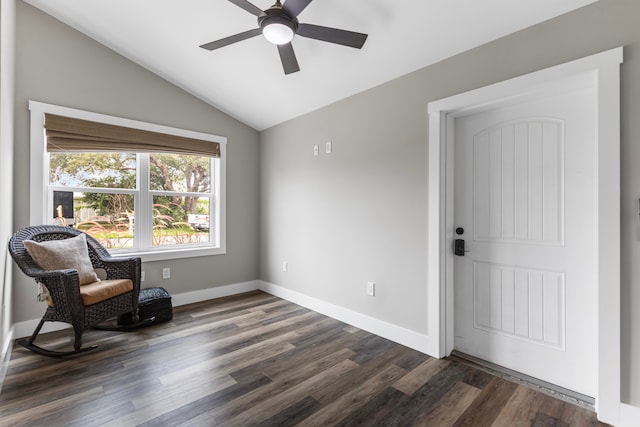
107	217
180	220
181	173
97	170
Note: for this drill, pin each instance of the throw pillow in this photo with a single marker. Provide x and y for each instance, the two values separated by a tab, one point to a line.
64	254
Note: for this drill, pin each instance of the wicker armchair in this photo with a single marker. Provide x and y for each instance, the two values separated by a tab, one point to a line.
65	303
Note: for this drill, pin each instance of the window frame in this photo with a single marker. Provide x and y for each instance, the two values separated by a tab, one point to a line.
40	192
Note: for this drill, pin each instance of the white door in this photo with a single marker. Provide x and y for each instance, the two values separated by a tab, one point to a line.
525	202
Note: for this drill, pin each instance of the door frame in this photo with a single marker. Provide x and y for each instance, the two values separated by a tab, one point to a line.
602	71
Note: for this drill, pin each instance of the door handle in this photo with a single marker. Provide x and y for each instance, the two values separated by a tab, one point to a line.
458	247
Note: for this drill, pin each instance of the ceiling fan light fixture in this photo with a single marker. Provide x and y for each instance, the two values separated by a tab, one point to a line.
278	32
279	25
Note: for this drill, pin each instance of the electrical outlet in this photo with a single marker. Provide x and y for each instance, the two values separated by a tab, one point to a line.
166	273
142	276
285	266
316	150
371	289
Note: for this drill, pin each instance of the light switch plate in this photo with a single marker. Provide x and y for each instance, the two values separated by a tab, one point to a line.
371	289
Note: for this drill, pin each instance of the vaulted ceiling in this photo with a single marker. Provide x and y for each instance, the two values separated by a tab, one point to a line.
246	79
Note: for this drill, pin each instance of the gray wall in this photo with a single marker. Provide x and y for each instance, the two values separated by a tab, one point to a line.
359	214
7	78
58	65
339	220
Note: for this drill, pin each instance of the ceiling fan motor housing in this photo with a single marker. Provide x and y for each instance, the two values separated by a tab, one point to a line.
275	15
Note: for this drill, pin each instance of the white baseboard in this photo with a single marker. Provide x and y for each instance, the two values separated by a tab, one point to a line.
212	293
7	347
26	328
384	329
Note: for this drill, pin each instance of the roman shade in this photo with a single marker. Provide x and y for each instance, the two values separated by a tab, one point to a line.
66	134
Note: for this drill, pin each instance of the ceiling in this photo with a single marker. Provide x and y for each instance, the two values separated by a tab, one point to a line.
246	81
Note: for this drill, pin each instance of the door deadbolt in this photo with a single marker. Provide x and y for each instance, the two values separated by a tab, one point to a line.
458	247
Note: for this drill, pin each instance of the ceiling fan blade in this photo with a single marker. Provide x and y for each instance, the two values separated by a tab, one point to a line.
288	58
254	10
294	7
332	35
231	39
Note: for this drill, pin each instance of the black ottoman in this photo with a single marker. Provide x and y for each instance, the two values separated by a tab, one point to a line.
154	306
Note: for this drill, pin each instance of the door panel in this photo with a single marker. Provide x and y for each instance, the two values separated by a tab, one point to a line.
518	170
521	303
525	195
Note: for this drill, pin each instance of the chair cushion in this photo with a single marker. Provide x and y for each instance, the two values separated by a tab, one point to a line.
102	290
64	254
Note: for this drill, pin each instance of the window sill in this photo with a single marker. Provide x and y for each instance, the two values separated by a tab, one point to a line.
167	254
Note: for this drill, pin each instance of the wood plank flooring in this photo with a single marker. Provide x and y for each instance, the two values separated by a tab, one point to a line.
257	360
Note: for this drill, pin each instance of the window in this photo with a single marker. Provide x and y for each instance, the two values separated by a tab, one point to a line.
138	188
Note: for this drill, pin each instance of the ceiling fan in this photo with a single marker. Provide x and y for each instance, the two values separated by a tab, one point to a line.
279	24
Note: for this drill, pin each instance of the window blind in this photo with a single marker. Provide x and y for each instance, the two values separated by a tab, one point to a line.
71	134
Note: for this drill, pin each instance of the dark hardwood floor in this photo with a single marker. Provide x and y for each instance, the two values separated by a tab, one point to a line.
255	359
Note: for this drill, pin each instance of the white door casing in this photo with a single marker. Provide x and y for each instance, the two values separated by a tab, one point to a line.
524	294
604	69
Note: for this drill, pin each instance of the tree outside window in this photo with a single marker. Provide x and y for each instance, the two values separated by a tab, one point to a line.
112	200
